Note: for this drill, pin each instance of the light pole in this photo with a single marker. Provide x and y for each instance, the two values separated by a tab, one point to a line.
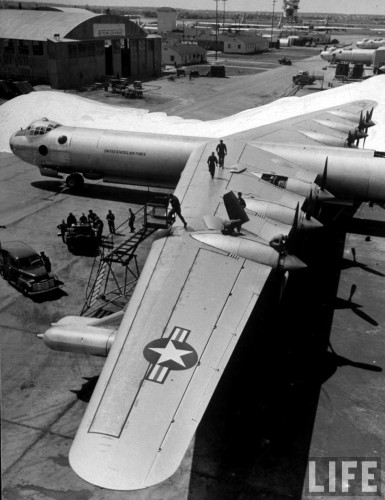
224	13
272	23
216	29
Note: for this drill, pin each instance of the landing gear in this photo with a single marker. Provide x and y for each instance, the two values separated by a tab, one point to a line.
75	181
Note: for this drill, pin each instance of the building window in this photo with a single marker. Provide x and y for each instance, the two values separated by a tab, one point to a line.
72	51
82	48
172	58
99	48
229	45
90	49
9	46
22	60
9	59
239	46
22	47
37	48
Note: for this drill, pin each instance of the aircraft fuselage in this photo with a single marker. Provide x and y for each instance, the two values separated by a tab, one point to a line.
111	155
364	56
158	160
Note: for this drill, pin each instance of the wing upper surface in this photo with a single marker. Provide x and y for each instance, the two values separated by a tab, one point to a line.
188	310
185	317
321	127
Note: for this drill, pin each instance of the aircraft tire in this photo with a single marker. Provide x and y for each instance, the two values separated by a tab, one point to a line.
75	181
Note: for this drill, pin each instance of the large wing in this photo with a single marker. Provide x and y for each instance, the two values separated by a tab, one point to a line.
324	127
186	315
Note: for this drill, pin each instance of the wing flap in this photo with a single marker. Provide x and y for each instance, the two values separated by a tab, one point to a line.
255	187
269	162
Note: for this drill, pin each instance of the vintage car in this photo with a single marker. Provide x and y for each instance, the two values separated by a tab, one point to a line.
23	267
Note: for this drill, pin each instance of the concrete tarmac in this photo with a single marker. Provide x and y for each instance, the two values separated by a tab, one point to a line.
307	378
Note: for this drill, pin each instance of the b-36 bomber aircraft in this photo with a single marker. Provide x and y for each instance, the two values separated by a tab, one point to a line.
167	351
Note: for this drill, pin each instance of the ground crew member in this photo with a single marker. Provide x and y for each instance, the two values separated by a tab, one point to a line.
46	262
83	219
91	216
71	220
241	200
230	225
131	220
212	161
222	151
98	225
176	209
62	228
111	221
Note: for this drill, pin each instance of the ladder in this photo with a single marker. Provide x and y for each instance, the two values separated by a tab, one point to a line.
115	269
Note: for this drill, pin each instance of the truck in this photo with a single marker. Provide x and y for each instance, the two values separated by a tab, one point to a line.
303	78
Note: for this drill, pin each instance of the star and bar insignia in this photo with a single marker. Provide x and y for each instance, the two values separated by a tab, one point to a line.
171	353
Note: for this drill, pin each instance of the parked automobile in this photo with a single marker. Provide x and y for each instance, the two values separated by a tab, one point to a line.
23	267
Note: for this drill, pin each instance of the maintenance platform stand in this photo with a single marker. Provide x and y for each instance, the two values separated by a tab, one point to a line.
115	269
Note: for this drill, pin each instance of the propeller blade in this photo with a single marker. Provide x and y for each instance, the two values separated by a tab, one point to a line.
309	206
296	218
324	175
368	120
361	122
290	241
359	134
282	285
350	139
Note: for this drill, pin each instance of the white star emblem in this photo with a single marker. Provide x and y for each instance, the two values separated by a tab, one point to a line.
170	353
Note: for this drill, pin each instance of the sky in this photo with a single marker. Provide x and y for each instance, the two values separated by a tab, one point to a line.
326	6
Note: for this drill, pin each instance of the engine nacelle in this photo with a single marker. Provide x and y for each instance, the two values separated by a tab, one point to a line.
296	186
251	250
84	339
280	213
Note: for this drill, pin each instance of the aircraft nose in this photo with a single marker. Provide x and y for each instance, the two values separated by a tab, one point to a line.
20	146
12	142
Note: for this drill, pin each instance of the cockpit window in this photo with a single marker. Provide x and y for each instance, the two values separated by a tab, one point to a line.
40	127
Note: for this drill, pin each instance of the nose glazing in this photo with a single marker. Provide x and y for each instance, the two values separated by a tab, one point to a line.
12	142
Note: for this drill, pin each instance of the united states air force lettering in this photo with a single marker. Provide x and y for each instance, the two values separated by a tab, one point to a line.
121	152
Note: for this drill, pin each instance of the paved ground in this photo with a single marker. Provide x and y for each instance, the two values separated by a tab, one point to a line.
306	380
209	98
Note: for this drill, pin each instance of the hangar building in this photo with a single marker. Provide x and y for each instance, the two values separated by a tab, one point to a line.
68	47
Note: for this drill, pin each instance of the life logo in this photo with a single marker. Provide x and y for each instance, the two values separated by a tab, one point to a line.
171	353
